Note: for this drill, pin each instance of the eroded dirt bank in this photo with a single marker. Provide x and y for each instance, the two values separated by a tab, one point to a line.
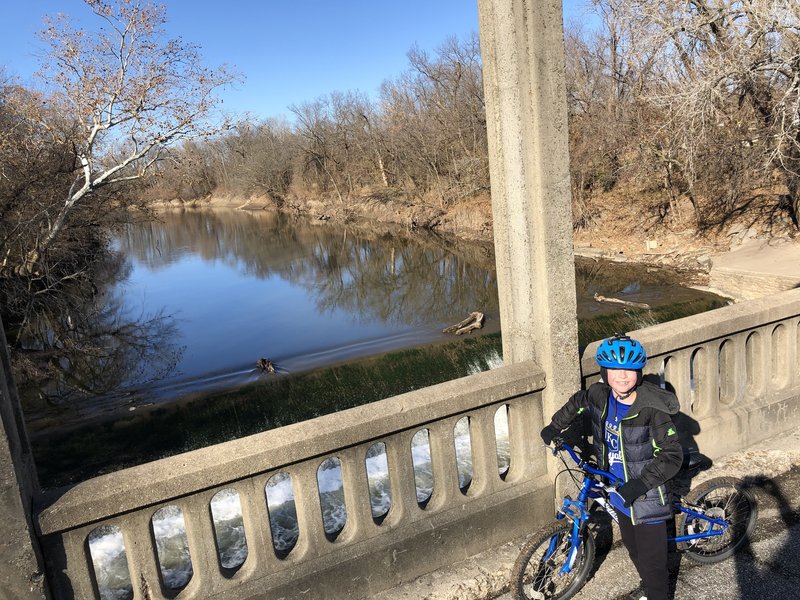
623	227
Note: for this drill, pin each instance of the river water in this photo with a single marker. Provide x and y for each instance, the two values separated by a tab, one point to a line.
238	286
201	296
209	293
205	294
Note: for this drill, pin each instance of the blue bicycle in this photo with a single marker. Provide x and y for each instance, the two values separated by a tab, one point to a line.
712	522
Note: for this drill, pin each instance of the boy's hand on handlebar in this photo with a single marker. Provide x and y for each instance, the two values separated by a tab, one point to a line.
631	490
550	433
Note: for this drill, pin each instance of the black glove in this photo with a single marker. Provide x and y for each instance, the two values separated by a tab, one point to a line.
631	490
549	433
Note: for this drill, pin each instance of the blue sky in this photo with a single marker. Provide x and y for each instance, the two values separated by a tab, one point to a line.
289	51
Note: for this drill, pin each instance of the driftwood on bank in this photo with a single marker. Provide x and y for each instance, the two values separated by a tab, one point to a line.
472	322
599	298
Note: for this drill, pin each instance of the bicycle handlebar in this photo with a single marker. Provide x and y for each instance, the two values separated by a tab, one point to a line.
558	445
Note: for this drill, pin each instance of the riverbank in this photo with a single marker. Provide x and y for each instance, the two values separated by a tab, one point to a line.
135	429
739	259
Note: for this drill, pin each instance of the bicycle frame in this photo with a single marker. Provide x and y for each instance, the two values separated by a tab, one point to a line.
592	489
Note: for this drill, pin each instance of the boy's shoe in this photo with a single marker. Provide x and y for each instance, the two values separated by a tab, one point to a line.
638	593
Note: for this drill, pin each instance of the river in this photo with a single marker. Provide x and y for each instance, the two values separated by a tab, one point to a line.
202	295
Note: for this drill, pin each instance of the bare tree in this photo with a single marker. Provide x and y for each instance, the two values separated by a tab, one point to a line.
128	91
729	98
435	123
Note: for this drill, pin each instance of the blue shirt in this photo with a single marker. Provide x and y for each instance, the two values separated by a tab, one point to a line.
616	412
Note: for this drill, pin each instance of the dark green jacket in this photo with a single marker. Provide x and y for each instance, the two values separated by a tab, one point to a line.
650	447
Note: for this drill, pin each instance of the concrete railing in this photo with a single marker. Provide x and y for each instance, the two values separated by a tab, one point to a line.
482	489
736	371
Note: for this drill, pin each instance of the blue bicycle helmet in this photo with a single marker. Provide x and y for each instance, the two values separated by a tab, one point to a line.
621	352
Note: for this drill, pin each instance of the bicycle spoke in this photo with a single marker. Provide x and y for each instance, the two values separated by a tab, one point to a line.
540	570
722	499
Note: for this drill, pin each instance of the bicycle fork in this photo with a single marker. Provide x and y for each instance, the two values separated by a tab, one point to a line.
576	511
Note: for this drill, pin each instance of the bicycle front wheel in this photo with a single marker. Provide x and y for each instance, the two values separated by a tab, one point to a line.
724	498
541	571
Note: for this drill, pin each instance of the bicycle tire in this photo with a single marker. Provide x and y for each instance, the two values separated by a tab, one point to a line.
722	497
535	575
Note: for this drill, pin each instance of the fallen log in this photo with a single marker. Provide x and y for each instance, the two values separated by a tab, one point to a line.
599	298
472	322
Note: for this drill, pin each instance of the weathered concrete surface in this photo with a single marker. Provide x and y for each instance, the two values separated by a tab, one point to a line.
21	575
757	268
768	570
522	47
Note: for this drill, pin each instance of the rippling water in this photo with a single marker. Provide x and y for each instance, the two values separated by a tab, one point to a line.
200	296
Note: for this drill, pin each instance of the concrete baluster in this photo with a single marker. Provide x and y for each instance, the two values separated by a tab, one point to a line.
443	463
726	373
779	349
356	493
405	506
312	541
78	568
677	377
485	476
700	368
756	365
711	386
525	421
140	547
740	368
207	577
261	556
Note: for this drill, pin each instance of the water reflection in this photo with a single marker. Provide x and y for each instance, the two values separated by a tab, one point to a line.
91	347
200	296
371	275
246	285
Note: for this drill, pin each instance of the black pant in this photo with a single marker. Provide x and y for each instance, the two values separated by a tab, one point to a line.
647	547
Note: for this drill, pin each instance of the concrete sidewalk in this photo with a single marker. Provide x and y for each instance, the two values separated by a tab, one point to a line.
756	268
769	569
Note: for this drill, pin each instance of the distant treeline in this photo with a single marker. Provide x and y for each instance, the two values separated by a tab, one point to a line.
426	134
692	106
678	111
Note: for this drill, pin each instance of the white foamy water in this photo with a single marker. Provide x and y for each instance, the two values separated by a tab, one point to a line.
108	550
172	546
226	510
492	360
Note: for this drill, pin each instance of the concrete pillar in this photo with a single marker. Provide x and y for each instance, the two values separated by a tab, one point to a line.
21	565
522	46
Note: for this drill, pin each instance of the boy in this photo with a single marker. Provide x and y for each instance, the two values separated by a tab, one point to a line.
634	438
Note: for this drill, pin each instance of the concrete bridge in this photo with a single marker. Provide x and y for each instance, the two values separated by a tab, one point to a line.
735	371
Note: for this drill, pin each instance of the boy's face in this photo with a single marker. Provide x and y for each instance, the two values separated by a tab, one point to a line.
622	380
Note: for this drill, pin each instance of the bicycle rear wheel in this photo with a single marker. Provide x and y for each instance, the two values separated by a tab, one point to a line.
537	572
722	498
